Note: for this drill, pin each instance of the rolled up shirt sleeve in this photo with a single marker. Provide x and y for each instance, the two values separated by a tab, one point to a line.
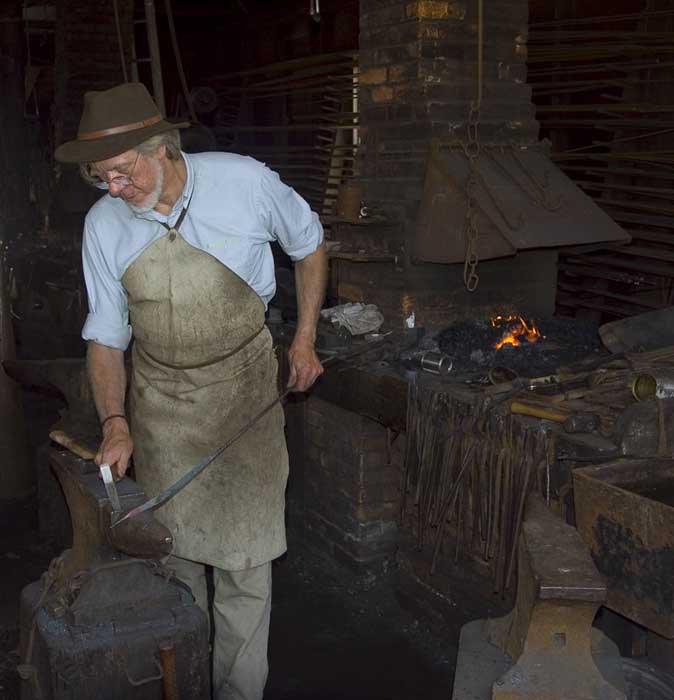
287	217
108	319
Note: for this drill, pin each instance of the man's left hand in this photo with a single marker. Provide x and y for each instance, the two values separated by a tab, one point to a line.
305	367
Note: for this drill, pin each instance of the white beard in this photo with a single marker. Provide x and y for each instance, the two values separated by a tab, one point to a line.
153	198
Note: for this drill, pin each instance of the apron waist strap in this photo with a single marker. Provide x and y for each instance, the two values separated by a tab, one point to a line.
214	360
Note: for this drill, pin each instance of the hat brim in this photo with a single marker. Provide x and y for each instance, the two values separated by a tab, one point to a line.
106	147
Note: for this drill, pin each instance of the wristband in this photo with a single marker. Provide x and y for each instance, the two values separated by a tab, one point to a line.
114	415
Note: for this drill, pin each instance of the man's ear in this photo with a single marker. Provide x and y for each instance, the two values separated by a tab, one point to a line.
160	153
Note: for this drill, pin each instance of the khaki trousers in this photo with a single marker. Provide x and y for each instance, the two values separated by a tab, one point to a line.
241	613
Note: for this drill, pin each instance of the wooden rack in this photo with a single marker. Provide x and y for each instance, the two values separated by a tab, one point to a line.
300	117
603	87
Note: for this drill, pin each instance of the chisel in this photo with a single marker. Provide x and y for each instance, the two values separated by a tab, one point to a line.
111	490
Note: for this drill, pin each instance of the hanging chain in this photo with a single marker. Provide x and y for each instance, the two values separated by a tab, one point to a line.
472	150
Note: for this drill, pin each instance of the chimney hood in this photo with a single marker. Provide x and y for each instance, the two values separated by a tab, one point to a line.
442	80
522	201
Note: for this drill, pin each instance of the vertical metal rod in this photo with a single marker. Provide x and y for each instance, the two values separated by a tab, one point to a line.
155	57
179	61
120	41
167	661
480	51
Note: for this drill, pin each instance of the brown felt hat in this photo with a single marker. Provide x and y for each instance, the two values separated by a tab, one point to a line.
114	121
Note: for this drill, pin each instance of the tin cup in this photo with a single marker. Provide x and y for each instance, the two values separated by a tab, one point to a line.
436	363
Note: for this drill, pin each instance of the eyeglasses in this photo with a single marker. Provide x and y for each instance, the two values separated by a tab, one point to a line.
123	179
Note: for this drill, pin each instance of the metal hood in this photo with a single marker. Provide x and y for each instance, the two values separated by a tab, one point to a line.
524	201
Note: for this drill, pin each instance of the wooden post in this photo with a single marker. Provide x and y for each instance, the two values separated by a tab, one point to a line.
14	202
17	480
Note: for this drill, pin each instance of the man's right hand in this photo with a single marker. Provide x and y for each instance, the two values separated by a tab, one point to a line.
117	446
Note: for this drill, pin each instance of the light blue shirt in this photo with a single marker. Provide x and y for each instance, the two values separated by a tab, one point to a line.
238	206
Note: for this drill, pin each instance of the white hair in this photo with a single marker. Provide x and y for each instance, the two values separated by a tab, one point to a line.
170	139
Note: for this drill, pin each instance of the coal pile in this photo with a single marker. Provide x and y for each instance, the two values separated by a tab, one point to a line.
471	345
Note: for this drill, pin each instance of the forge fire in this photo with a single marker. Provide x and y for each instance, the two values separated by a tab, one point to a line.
515	329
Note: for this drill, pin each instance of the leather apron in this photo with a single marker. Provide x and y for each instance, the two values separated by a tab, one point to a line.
203	365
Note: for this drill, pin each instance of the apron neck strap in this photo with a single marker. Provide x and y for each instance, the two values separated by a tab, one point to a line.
181	218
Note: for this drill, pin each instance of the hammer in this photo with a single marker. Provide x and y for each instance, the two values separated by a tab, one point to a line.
63	439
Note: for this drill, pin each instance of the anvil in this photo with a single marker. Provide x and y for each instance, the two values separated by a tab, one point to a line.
94	541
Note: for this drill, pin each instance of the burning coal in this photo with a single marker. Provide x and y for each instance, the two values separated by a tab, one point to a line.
515	330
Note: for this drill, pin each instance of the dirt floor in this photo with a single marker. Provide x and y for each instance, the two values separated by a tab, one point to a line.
334	635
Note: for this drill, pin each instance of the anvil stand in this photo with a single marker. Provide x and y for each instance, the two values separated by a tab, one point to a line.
107	620
546	648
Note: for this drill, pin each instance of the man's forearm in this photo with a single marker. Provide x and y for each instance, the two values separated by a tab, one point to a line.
108	382
107	375
311	276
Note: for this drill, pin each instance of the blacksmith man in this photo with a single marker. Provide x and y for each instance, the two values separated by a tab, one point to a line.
177	255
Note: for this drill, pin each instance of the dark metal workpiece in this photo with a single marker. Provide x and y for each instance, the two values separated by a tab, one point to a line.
582	423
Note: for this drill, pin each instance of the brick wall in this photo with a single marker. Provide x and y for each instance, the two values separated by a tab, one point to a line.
351	484
86	58
418	77
87	54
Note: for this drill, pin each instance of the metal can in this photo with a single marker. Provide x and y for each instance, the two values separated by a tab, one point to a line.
436	363
653	386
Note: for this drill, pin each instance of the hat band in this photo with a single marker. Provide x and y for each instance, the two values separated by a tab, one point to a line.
90	135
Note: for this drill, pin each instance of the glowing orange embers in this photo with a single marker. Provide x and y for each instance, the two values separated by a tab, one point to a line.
515	330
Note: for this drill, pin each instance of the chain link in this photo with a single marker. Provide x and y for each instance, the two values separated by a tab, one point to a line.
472	150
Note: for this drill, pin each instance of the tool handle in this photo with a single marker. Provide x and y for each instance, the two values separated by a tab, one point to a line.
543	412
69	443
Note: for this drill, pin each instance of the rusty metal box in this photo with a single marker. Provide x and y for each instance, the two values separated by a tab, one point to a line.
625	514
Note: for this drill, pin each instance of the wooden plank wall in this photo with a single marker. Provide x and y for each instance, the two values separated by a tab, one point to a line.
298	117
603	88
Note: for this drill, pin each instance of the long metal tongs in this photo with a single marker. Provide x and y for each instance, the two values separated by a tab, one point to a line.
165	496
193	473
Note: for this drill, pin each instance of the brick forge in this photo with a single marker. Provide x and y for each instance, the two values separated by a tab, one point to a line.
419	74
352	468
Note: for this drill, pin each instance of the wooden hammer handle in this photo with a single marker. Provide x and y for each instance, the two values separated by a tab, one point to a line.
66	441
543	412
